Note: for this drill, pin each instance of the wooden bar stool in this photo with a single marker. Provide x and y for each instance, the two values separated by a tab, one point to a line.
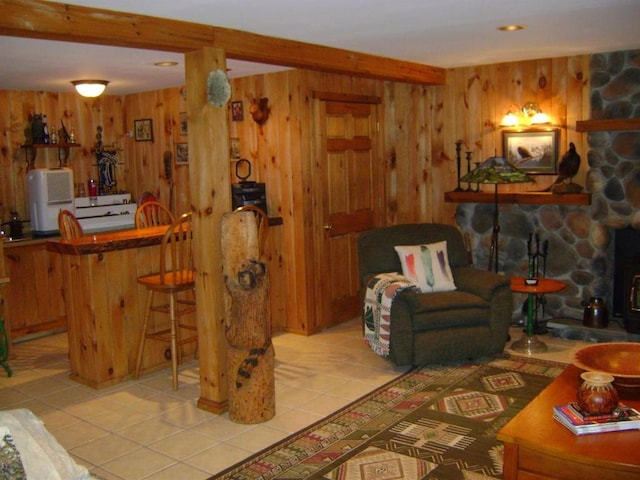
152	213
69	226
175	275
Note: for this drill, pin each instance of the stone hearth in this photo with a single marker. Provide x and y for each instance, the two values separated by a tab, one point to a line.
580	238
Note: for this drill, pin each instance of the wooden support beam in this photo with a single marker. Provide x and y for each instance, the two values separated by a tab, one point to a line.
209	182
72	23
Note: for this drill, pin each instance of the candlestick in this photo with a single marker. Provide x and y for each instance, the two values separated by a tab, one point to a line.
458	159
469	189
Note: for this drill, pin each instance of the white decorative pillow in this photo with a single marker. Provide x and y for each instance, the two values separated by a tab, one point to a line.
427	266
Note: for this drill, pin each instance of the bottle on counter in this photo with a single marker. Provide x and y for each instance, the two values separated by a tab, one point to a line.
53	138
93	192
45	130
72	136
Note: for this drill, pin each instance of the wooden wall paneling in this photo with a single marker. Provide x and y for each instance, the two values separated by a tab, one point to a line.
314	226
491	115
298	208
390	155
145	155
402	167
167	115
275	170
443	136
180	171
270	152
419	143
282	150
7	192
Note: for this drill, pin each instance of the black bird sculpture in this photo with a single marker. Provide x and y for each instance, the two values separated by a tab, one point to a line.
567	169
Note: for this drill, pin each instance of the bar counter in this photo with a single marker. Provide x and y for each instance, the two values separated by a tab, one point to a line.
108	241
105	304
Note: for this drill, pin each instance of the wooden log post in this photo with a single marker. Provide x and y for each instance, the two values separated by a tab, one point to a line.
210	193
250	354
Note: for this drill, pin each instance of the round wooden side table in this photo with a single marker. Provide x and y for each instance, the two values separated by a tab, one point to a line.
530	343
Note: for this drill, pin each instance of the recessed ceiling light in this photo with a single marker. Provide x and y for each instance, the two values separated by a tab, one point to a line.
512	28
166	64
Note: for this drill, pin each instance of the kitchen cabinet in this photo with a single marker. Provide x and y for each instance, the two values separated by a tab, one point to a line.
34	298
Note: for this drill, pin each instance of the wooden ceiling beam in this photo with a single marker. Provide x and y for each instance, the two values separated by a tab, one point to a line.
72	23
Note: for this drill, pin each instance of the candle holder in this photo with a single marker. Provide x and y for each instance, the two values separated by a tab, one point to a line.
469	188
458	160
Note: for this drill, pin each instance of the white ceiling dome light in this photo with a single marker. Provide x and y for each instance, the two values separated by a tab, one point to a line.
90	88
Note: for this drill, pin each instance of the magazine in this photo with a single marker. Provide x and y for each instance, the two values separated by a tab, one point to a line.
622	418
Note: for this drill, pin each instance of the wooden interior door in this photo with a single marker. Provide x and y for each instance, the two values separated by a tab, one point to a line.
350	199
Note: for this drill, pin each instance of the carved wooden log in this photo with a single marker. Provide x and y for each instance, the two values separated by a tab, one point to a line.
250	355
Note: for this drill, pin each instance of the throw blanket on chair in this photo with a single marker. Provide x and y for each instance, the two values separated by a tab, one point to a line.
381	291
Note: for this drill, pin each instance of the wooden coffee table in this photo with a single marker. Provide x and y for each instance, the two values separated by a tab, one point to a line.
538	447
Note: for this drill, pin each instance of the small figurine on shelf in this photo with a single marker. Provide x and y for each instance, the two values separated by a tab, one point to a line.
72	136
53	138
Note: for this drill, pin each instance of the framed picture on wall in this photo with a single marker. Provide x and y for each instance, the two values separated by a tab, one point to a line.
533	151
234	148
143	130
184	126
237	114
182	153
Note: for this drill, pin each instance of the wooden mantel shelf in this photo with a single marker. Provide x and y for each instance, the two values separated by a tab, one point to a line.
523	198
608	125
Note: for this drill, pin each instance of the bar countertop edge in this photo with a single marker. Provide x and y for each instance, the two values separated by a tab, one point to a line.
108	241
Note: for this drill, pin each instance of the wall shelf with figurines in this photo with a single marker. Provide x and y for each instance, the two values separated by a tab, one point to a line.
38	136
30	152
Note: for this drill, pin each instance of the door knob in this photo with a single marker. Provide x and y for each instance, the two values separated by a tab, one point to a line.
328	227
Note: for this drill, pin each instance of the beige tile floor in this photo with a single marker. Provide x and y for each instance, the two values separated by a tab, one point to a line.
144	430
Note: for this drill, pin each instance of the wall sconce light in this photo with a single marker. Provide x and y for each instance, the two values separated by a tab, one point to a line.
90	88
529	110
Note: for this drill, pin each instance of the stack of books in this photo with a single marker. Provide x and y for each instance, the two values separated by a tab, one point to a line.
580	423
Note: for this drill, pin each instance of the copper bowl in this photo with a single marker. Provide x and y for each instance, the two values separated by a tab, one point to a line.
620	359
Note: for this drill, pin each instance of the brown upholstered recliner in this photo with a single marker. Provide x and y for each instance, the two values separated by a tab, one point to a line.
427	328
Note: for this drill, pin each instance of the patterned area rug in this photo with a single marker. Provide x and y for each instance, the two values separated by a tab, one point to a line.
434	422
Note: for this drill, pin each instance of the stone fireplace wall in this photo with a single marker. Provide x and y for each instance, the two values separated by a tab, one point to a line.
580	238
